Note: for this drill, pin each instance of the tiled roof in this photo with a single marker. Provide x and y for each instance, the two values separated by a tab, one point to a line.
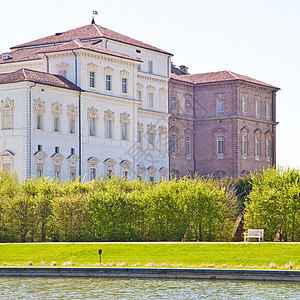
217	77
37	77
87	46
21	55
18	55
84	33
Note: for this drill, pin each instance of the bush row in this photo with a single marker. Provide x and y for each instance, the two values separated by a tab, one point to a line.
114	209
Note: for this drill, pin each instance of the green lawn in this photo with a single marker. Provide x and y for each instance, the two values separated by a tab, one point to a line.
217	255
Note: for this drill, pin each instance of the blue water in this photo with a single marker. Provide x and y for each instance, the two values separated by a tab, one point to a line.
94	288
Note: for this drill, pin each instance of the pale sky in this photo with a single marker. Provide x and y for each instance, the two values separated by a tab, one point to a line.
257	38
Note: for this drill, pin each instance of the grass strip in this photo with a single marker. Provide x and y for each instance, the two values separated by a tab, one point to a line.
221	255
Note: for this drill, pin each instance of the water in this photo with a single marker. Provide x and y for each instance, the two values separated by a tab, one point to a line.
94	288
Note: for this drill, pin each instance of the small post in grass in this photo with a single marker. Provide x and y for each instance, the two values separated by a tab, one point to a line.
100	252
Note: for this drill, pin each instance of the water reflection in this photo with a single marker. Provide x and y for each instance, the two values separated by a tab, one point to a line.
93	288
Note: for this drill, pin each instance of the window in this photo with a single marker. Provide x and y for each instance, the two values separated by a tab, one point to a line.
268	110
7	109
92	79
39	109
188	146
92	121
93	173
109	173
257	107
244	145
72	173
244	105
188	106
93	166
163	147
268	148
139	67
139	139
72	114
151	179
108	82
124	126
150	99
56	172
139	95
56	112
124	85
173	145
92	126
173	104
150	66
40	147
108	129
72	126
39	122
257	146
140	129
6	161
39	170
125	174
56	124
109	123
72	151
151	129
220	105
56	149
220	144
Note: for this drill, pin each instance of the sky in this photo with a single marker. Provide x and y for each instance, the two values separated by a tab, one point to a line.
257	38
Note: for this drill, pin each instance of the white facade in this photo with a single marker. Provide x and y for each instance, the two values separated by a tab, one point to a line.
116	124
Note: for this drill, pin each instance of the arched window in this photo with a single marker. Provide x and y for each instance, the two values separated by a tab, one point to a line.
7	161
93	167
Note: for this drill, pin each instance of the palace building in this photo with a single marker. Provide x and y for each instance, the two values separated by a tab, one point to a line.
91	102
221	123
85	102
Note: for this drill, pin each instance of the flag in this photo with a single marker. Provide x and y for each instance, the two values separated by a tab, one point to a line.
95	12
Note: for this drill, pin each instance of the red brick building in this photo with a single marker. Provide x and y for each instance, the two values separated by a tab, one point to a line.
230	128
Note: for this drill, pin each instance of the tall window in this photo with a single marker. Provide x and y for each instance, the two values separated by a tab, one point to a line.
56	112
56	123
268	148
257	146
220	105
72	173
92	115
268	110
56	171
188	145
72	126
244	145
173	104
93	173
124	131
124	85
188	106
92	126
150	66
109	124
173	145
139	95
151	139
220	144
7	109
244	105
257	107
108	82
108	129
140	129
150	100
39	109
92	79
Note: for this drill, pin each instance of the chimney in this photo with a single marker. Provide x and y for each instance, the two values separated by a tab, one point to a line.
184	69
